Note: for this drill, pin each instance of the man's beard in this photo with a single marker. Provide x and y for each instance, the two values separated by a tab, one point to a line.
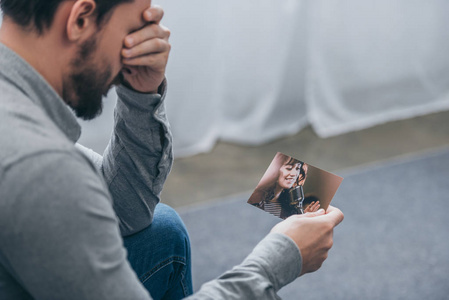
88	83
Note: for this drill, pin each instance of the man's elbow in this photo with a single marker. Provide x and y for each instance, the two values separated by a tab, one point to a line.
136	222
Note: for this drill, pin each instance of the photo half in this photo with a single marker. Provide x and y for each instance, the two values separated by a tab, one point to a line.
291	186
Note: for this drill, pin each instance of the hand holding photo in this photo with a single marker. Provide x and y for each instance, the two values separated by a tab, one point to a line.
290	186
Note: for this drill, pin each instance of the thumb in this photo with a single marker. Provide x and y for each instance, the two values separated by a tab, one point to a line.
319	212
334	215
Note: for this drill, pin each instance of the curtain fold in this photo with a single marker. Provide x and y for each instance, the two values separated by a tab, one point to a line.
376	61
256	70
236	72
274	67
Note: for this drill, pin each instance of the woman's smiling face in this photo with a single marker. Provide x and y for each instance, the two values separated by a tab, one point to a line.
288	175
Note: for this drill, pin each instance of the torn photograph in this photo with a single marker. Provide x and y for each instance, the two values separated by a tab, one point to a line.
290	186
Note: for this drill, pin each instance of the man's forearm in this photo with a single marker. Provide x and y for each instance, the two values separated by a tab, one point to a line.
138	158
274	262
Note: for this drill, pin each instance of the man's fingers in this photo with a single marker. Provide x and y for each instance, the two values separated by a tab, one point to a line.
319	212
156	60
148	47
334	215
151	31
153	14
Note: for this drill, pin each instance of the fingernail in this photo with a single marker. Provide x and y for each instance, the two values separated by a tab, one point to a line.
129	41
148	14
321	211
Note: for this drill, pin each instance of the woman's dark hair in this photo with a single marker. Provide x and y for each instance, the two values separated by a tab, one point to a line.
302	173
41	12
309	198
292	161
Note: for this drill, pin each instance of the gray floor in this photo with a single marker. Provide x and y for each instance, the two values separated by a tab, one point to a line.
230	169
390	246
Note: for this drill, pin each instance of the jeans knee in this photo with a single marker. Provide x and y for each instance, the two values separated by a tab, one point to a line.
160	255
169	225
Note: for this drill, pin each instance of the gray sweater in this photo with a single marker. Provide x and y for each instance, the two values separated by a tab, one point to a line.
64	208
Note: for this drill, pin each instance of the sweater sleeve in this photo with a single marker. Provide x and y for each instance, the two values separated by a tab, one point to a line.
138	158
274	262
63	240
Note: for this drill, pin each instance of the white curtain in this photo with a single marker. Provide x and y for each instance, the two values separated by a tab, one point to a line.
376	61
252	71
236	71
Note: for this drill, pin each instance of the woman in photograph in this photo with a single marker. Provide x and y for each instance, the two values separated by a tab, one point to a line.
284	196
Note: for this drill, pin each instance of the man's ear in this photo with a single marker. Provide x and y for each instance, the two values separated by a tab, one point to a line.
81	19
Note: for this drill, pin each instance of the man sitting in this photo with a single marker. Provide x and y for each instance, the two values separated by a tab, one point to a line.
66	213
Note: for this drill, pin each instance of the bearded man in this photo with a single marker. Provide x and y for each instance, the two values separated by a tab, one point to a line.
77	225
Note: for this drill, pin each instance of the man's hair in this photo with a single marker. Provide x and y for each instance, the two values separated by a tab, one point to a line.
39	14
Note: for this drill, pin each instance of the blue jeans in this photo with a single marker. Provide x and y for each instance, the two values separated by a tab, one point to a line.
160	255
